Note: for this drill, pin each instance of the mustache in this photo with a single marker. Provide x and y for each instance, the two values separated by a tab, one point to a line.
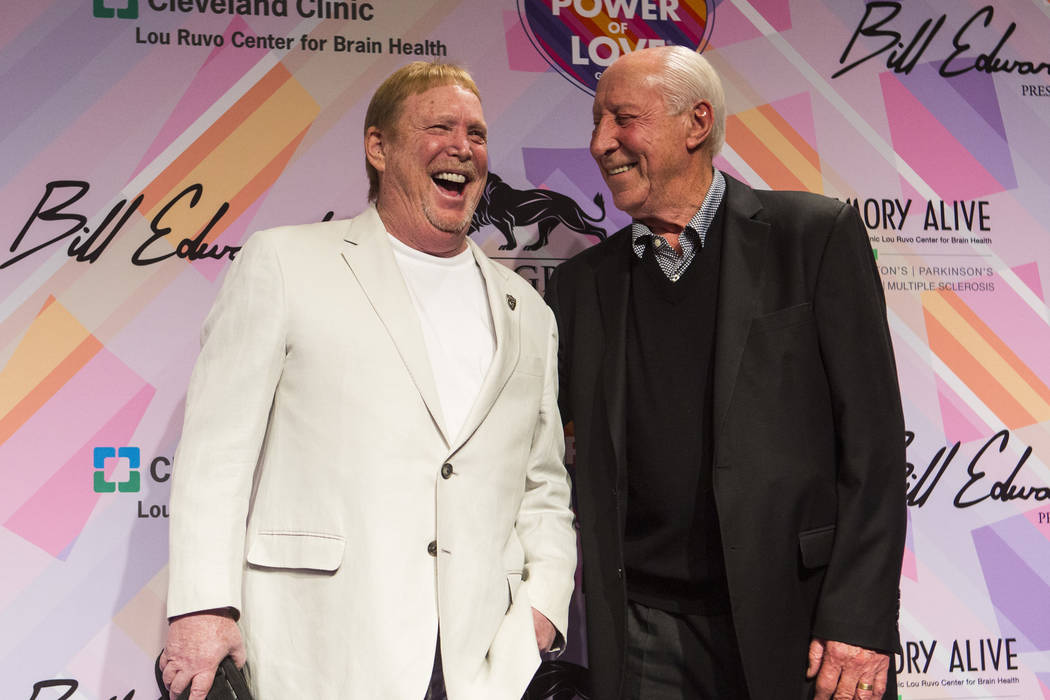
468	169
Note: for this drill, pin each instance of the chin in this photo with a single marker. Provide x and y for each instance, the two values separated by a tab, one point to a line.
453	227
630	208
624	201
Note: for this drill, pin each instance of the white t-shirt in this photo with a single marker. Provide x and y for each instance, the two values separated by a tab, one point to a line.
450	299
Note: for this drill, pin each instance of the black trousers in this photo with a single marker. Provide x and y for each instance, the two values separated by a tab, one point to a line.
677	656
436	689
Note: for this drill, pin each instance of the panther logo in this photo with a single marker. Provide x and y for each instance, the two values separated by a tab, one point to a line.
505	208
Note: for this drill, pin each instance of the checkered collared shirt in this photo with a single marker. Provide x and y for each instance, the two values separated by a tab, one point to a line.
691	239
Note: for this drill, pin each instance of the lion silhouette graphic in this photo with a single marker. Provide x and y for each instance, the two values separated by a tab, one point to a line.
505	207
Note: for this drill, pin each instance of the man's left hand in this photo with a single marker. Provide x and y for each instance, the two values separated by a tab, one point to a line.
844	671
545	632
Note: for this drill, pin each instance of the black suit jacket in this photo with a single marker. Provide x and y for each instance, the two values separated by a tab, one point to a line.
808	435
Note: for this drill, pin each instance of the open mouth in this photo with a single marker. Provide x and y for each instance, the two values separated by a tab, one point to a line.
453	183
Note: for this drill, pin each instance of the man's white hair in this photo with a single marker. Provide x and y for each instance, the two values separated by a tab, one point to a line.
686	78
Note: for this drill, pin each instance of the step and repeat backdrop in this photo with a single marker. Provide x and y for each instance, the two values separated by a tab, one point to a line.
141	142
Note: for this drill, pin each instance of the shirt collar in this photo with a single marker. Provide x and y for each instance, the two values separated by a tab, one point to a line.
699	224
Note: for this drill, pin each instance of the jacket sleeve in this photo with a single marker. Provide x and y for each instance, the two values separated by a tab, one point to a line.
859	599
545	521
227	405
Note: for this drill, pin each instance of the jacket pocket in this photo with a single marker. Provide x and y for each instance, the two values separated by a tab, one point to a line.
815	546
296	550
783	318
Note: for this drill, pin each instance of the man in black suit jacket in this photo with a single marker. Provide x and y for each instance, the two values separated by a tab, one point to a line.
727	366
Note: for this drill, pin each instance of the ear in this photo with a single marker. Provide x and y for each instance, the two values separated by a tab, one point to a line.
375	148
701	121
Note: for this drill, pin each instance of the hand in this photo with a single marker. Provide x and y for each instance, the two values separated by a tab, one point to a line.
545	632
839	667
196	644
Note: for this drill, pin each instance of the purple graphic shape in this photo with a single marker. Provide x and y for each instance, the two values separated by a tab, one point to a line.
978	89
577	165
968	108
41	77
1017	592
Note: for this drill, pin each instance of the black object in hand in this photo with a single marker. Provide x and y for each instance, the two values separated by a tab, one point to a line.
229	683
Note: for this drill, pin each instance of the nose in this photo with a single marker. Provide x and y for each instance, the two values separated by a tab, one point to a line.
459	144
603	140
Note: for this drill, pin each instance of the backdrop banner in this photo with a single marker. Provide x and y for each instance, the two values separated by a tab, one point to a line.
142	141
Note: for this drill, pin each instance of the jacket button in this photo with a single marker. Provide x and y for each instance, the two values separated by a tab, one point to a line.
446	470
619	573
432	548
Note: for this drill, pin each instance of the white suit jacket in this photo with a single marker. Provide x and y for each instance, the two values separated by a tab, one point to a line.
310	490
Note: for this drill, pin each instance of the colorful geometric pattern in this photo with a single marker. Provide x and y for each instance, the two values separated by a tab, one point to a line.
778	153
983	360
98	355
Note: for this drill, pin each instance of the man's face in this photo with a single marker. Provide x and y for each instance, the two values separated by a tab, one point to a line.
434	164
641	149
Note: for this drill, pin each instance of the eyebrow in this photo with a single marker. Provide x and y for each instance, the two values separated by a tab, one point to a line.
617	108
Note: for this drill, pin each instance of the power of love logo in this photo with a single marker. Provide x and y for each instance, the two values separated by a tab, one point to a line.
580	38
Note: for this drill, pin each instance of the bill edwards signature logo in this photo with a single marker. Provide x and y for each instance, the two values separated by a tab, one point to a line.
903	40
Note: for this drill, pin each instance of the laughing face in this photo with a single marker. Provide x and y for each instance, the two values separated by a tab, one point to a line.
432	168
645	154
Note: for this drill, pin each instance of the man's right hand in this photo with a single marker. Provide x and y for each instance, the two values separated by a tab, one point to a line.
196	644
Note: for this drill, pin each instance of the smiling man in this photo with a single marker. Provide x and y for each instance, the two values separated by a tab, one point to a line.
726	363
369	499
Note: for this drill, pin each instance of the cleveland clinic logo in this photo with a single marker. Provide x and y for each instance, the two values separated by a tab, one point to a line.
130	485
124	9
118	481
580	38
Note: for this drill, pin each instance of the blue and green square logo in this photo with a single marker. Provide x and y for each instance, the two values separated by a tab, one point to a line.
134	481
130	9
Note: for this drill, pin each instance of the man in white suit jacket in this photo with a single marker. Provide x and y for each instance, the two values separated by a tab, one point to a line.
372	449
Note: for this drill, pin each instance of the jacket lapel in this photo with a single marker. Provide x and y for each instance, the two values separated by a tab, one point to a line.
506	322
371	259
743	253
